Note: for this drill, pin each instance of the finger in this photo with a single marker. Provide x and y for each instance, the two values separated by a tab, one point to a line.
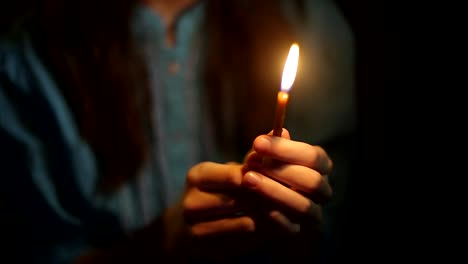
279	194
284	133
293	152
215	176
284	221
300	178
244	224
254	158
251	159
199	205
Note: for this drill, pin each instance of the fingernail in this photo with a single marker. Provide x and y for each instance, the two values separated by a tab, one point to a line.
252	179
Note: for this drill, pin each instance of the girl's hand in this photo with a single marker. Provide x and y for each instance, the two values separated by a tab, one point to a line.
291	175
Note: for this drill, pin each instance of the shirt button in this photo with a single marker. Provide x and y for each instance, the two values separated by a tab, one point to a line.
173	68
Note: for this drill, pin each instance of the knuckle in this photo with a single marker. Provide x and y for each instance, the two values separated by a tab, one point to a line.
193	175
330	165
315	182
233	177
189	204
246	224
197	231
313	156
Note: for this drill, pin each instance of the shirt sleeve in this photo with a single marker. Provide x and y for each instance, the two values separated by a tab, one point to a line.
37	225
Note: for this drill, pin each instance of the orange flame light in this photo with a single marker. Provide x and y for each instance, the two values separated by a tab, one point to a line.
289	75
290	68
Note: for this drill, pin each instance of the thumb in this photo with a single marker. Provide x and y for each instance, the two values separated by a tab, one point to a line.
284	133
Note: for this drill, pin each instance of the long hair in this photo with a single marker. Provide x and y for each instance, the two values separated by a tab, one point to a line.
105	82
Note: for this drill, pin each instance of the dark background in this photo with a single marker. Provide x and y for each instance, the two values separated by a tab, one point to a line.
375	26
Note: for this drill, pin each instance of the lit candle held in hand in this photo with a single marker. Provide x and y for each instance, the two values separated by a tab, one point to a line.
289	75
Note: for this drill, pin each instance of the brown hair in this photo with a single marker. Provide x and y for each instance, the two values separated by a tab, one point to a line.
104	80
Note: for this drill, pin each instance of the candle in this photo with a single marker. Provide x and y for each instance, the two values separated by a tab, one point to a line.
287	80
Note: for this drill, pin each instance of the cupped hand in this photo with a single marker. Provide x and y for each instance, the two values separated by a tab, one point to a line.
292	175
215	210
227	207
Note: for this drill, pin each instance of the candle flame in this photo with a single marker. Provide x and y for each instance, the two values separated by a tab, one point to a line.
290	68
